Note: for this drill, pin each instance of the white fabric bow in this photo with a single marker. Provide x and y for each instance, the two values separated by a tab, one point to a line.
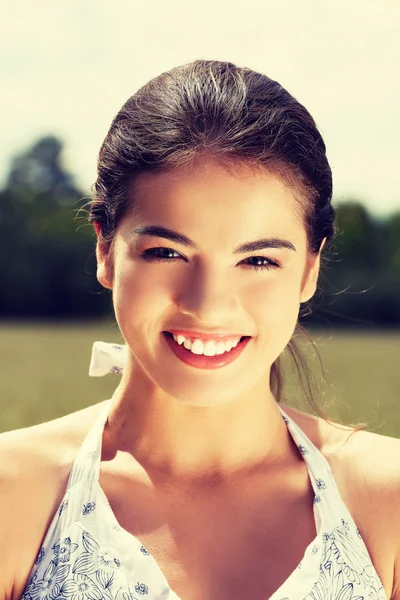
107	358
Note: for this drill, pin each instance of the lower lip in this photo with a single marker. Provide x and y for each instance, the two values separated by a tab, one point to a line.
204	362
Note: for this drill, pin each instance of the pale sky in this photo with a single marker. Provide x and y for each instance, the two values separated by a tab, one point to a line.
67	66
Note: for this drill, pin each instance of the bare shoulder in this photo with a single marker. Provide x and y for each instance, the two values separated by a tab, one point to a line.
368	459
34	467
366	469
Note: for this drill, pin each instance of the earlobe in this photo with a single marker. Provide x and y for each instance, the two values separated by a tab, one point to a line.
97	228
102	275
311	282
103	269
103	262
308	291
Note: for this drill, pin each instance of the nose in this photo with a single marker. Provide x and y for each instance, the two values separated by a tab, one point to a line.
208	297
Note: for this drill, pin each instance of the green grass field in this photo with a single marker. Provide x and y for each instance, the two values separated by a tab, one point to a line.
44	374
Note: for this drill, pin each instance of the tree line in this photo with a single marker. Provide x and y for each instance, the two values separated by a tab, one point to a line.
48	265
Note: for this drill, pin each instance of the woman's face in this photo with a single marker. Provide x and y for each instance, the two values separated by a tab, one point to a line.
207	286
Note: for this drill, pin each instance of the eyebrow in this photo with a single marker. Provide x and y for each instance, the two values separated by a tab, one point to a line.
179	238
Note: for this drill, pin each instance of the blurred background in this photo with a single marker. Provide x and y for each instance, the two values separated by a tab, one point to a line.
67	68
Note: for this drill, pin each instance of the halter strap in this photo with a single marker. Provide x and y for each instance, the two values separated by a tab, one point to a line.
86	465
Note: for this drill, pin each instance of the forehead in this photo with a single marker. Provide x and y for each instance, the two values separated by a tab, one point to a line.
210	196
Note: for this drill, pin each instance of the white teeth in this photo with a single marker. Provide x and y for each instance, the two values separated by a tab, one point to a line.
220	347
211	348
187	344
208	348
197	347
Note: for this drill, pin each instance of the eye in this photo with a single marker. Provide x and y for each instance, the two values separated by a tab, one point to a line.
263	263
164	254
156	254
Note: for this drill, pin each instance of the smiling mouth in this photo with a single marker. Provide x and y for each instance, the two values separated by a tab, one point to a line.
169	334
204	361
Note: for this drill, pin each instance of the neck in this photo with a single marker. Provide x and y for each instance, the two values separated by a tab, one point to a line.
175	440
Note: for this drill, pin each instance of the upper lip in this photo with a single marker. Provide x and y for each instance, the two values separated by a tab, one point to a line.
199	335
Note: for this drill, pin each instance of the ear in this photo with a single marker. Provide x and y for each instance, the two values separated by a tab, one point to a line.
309	286
104	274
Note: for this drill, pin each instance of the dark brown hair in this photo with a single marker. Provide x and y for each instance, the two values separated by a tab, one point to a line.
236	116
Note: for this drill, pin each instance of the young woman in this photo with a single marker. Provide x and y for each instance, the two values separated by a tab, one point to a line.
212	208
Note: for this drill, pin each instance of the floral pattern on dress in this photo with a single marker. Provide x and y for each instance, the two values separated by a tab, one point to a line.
81	587
40	556
88	571
84	571
63	550
88	508
49	587
64	506
345	569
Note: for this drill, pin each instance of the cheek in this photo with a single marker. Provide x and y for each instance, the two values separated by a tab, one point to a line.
139	297
274	305
275	297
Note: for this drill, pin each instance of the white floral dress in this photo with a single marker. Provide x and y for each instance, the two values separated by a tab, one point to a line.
86	555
